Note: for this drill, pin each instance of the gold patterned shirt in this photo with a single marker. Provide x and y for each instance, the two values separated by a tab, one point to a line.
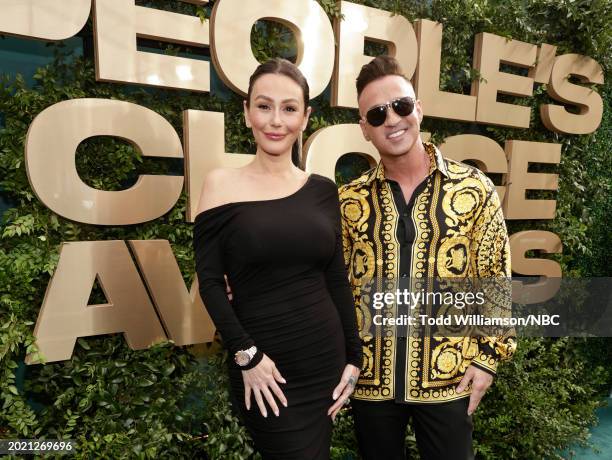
453	227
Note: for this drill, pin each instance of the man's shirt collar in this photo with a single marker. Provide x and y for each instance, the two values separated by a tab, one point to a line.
436	162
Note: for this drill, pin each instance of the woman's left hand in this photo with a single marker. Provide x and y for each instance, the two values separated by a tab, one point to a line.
344	389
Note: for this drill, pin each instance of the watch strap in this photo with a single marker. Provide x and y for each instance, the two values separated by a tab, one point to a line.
255	360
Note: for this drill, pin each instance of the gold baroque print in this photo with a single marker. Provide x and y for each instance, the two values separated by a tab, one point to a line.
462	200
363	262
424	234
453	257
386	269
447	360
491	241
364	318
446	363
469	347
391	271
457	170
368	366
355	208
369	262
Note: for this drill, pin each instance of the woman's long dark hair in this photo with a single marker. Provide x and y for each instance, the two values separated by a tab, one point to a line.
287	68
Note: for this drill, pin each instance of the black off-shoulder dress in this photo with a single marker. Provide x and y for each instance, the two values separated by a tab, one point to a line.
291	298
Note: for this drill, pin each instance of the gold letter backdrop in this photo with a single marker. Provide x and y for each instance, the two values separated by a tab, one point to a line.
148	300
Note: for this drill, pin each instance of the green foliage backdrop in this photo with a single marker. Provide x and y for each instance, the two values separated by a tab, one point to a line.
118	403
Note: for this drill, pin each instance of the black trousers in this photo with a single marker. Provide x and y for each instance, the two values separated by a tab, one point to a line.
443	431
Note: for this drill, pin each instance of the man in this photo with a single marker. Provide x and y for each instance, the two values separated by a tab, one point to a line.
417	215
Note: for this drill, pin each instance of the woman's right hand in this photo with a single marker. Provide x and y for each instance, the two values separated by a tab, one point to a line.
262	382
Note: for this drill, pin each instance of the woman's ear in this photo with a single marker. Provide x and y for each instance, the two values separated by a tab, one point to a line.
306	117
246	114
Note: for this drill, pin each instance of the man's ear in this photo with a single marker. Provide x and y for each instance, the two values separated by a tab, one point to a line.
362	125
246	114
419	110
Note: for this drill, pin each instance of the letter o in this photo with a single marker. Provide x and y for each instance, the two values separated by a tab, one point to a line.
231	24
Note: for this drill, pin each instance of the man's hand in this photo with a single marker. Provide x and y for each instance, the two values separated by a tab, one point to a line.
344	389
481	381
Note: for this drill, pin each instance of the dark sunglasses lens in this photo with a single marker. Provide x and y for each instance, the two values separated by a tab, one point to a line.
403	107
377	115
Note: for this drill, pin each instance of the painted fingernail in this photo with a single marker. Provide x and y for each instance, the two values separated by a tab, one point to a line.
335	396
276	413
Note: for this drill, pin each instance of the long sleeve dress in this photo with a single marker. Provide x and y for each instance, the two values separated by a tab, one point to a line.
291	298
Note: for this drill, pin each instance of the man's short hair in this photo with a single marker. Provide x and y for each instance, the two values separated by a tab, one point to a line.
379	67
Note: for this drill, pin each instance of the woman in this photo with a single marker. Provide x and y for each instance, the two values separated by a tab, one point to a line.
275	232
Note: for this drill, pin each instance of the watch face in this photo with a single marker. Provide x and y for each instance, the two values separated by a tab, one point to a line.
242	358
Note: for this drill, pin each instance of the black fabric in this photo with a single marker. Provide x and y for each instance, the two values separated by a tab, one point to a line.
443	430
291	298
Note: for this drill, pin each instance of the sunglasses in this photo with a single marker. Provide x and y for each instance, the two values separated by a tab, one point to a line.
403	106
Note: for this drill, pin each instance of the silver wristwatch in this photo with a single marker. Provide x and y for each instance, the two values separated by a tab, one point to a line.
244	357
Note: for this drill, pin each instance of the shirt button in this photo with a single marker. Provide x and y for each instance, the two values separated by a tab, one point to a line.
405	214
404	275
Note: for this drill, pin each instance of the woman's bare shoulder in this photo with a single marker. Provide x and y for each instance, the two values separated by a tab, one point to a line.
217	187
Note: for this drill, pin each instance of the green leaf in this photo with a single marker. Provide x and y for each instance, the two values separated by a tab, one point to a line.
83	344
